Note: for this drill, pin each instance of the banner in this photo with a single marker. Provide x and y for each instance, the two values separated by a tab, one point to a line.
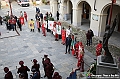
50	25
54	30
58	29
45	24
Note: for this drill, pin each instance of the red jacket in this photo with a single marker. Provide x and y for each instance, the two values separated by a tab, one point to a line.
98	49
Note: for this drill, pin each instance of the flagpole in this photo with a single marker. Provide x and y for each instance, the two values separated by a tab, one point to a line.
10	7
110	15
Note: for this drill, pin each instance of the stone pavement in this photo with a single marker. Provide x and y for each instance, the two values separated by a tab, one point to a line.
31	45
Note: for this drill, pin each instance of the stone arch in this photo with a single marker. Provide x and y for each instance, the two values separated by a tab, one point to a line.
67	9
105	15
84	13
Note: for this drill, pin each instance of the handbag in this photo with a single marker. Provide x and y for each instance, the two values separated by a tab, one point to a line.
21	75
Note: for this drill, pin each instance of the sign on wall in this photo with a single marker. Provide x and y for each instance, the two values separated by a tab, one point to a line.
95	17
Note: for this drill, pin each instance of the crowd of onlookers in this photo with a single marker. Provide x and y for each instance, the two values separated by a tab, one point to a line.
35	69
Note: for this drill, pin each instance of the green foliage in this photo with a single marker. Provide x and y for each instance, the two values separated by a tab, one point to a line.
51	18
43	1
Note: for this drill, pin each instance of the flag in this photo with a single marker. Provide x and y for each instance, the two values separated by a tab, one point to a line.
50	25
58	29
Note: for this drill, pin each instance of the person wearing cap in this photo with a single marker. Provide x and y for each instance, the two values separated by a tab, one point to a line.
36	66
8	74
45	61
22	71
56	76
49	70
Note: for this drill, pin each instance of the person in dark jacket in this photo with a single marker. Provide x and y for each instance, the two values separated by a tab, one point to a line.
41	16
91	35
36	66
22	71
58	15
56	76
45	61
8	74
8	25
88	36
0	20
19	24
49	70
35	74
68	43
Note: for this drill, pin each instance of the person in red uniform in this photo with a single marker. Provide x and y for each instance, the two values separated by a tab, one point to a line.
56	76
63	35
81	49
76	48
45	61
22	71
43	29
36	66
22	20
8	74
25	15
99	48
12	23
49	70
80	63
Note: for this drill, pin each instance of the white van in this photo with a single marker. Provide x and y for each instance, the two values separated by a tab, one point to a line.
23	2
37	2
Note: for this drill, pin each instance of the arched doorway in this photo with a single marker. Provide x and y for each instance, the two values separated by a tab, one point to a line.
115	12
68	10
114	40
84	13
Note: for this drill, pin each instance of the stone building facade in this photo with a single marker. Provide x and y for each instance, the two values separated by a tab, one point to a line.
94	12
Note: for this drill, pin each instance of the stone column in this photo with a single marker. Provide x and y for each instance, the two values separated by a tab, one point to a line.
77	16
68	7
63	10
54	7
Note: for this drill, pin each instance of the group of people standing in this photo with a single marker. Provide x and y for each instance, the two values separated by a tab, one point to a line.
89	36
35	69
12	21
76	47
